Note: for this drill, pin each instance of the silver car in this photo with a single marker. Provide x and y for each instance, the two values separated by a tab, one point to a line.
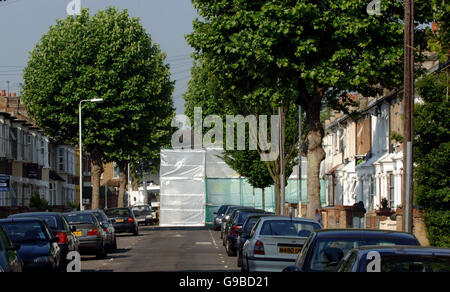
274	243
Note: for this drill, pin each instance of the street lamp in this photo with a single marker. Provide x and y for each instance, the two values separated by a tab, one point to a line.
81	146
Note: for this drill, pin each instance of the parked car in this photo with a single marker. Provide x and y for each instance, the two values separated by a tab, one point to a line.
9	257
37	248
396	259
108	228
244	233
123	220
230	220
226	218
59	228
325	248
143	214
155	214
89	232
219	216
275	241
234	227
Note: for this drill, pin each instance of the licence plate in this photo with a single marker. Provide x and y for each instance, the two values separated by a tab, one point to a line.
78	233
119	220
289	250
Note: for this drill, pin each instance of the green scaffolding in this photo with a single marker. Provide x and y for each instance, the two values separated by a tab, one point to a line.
237	191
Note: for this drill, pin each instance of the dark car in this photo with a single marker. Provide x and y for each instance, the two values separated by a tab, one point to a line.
219	214
9	258
89	232
108	228
59	228
396	259
143	214
226	218
325	248
123	220
234	226
244	232
38	249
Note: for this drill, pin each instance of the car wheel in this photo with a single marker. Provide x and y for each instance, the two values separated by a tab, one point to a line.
230	252
136	232
115	244
244	269
239	260
101	254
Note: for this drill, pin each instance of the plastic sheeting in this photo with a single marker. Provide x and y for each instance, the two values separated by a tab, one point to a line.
183	195
195	183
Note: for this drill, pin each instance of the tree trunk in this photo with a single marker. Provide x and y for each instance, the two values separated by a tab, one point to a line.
96	172
315	155
277	197
122	184
263	200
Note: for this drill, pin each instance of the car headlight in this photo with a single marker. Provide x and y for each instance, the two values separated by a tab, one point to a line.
43	260
218	220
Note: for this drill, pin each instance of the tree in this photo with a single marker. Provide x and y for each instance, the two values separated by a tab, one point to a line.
108	56
277	53
38	203
204	92
249	165
432	155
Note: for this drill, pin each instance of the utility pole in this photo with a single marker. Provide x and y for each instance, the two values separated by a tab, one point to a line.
409	92
282	166
300	161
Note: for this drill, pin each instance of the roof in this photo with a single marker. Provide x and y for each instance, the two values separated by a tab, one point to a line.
21	219
275	217
361	232
405	250
31	214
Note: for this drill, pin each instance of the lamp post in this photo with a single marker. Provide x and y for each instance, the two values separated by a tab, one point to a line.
81	146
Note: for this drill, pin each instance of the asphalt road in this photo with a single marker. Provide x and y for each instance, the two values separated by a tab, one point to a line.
165	250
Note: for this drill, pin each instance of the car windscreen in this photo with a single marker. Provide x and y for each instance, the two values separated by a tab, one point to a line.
415	263
101	217
24	232
80	218
141	210
117	212
51	220
248	226
288	228
240	219
222	210
327	252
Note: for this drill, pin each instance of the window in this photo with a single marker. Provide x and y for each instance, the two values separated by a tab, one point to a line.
116	170
391	190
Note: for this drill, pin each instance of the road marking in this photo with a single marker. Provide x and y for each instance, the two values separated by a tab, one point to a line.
212	237
203	243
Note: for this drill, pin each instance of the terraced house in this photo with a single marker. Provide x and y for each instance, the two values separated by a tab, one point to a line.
31	162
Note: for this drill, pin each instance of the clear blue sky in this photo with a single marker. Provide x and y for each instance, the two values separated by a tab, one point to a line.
22	22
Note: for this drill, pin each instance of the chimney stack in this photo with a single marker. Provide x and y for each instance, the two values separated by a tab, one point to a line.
3	92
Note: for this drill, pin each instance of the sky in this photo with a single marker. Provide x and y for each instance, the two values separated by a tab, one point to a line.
22	22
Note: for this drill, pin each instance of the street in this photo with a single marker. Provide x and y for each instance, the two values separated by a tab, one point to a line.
165	250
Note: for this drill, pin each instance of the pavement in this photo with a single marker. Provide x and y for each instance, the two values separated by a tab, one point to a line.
158	249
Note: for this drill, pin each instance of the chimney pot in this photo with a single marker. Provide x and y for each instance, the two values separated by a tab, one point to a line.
14	94
3	92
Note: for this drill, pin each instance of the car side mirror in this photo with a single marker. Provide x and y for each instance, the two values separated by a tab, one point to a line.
73	228
104	225
292	269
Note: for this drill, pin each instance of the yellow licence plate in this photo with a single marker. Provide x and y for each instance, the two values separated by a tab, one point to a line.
78	233
119	220
289	250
